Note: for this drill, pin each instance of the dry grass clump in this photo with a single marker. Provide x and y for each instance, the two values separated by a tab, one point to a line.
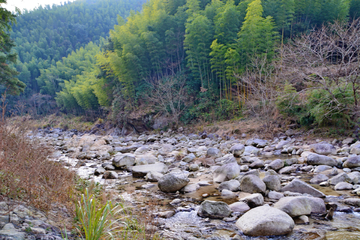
27	175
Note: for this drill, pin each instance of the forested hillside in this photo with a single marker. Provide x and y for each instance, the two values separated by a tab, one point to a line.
191	60
47	34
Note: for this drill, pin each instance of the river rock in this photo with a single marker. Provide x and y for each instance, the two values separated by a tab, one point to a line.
213	152
239	207
342	177
254	200
260	143
319	178
173	182
352	201
322	168
257	164
232	185
145	159
348	141
127	149
281	144
288	170
291	161
214	209
272	182
153	176
294	206
142	150
99	171
323	148
190	188
355	177
10	232
226	172
142	170
316	159
252	184
343	186
355	148
265	221
237	150
188	158
251	150
110	175
352	162
227	194
299	186
276	164
275	195
194	167
166	148
124	161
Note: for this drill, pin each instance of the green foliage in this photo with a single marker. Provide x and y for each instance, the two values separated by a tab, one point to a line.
94	217
288	103
320	106
226	109
8	74
331	108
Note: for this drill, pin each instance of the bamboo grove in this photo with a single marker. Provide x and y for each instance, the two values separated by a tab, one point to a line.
203	45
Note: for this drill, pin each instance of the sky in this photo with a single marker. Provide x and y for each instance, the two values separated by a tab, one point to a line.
31	4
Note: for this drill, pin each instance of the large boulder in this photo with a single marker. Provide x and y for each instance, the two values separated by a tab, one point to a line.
265	221
316	159
252	184
323	148
124	161
272	182
226	172
341	177
173	182
294	206
142	170
352	162
214	209
299	186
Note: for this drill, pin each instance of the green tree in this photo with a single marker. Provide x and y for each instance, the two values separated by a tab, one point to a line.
8	74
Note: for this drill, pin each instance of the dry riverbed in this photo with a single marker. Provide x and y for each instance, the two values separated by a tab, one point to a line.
207	187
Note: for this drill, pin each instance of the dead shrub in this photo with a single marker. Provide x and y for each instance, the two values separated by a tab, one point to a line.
27	175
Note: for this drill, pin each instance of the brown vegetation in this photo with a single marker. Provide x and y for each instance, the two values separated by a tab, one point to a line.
27	175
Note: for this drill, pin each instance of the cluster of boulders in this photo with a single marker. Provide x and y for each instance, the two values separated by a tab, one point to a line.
269	172
19	222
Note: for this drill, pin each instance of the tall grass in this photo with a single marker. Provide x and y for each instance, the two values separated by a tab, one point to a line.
27	175
99	220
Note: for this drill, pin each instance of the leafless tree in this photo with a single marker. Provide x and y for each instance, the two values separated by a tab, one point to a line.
327	59
168	95
261	83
